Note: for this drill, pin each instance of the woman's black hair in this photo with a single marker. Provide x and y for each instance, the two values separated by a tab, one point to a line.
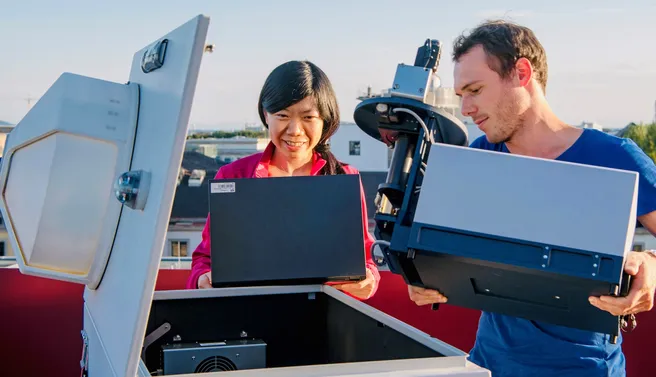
290	83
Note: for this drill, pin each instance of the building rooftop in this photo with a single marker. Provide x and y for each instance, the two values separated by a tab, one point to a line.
191	202
197	161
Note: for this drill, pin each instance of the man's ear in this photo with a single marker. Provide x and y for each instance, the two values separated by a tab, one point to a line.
524	71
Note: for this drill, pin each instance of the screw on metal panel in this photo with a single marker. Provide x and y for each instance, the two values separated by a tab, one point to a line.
594	265
544	265
396	86
596	256
177	338
593	274
545	257
557	297
243	334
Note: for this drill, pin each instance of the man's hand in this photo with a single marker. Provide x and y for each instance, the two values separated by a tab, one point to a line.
642	266
205	281
361	289
423	296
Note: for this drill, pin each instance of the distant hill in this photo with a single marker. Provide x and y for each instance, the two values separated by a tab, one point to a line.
5	124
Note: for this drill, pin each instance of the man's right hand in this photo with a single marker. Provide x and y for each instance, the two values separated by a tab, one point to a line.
423	296
205	281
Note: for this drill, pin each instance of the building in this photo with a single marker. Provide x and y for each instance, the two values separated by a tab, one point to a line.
228	149
353	146
643	240
5	247
5	129
190	204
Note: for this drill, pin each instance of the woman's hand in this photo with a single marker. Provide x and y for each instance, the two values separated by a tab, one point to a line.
361	289
205	280
423	296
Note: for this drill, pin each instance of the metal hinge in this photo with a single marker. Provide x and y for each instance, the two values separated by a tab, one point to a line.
84	361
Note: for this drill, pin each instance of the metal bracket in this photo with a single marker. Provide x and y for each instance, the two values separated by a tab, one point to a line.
131	188
153	337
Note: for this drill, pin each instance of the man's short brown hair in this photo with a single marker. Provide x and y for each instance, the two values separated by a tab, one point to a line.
504	43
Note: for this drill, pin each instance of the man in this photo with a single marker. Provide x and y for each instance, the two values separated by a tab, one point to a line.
501	76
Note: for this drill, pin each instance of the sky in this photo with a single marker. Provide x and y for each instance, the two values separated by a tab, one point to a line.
601	54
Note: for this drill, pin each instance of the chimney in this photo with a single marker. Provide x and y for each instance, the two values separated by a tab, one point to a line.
196	178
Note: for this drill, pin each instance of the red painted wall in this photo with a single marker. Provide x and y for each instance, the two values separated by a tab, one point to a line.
42	319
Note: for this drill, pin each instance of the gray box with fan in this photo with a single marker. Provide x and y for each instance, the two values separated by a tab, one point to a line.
222	356
291	330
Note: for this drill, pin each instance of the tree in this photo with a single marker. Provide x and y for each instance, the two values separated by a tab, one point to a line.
227	134
644	135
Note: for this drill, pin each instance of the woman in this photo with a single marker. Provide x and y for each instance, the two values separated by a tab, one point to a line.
298	106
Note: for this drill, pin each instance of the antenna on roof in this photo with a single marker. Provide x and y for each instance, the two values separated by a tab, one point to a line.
29	100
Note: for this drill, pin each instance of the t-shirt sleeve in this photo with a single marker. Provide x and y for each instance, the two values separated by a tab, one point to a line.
636	160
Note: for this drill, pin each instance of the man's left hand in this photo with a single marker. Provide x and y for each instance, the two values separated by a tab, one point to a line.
642	266
361	289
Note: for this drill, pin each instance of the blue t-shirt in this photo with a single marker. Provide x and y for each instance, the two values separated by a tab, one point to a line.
511	346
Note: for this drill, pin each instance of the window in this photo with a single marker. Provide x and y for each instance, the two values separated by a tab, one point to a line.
2	249
179	248
354	148
638	247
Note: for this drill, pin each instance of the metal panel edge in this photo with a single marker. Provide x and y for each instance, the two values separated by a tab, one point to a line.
182	294
433	343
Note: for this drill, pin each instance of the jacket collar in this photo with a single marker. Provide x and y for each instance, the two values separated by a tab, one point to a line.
262	168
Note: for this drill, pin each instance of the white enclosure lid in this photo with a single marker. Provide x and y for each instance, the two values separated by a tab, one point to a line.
88	185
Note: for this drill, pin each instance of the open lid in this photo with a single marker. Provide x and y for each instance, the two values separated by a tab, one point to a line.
88	180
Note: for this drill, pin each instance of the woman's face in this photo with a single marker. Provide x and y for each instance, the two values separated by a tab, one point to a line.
296	130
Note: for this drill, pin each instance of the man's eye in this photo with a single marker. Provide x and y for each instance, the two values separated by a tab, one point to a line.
476	91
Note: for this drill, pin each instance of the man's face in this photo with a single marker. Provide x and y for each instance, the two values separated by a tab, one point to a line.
493	103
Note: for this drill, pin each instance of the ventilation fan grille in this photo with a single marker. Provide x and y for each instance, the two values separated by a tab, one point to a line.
215	364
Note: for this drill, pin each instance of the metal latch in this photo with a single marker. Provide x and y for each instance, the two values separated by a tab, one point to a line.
131	188
84	361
